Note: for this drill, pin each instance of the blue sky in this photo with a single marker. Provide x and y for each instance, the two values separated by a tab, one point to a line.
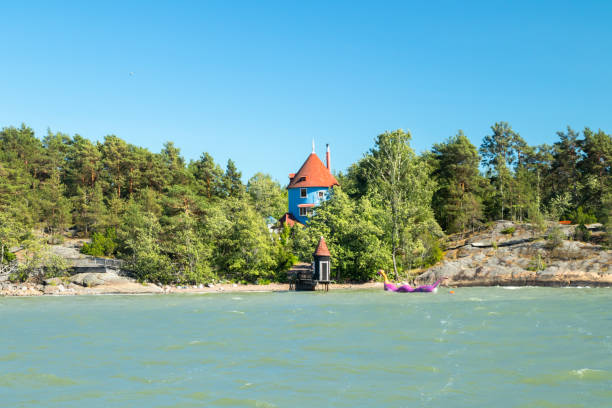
257	81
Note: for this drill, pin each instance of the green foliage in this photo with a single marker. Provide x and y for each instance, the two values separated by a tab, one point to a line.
559	204
101	244
582	233
244	246
232	183
208	176
537	219
401	183
430	256
9	257
40	262
193	223
55	207
554	238
19	277
537	264
607	217
508	231
353	233
285	258
55	266
10	234
457	202
267	196
579	217
565	172
499	153
142	248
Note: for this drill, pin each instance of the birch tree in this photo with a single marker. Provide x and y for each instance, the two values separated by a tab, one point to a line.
401	182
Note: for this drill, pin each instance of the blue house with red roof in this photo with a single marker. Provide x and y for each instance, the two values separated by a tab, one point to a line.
308	188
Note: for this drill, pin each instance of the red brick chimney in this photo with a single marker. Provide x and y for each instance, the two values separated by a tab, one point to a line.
327	158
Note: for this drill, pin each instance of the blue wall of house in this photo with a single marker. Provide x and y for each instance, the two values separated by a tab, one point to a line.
312	197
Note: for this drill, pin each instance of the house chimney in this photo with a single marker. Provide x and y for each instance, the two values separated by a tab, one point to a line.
327	158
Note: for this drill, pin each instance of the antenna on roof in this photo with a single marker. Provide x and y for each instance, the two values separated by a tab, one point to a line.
313	149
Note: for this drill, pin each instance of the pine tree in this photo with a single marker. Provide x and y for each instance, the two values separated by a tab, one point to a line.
596	170
565	173
232	183
456	202
114	153
56	208
499	155
208	175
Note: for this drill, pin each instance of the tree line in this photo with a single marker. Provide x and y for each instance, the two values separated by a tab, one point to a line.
179	222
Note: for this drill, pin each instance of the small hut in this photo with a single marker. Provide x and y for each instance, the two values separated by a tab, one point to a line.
322	262
306	276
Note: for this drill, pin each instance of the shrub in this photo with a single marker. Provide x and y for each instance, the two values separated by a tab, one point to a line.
580	217
9	257
536	264
582	233
20	276
101	245
435	255
55	266
554	238
508	231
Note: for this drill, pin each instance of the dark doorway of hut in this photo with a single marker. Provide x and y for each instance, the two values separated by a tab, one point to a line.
303	277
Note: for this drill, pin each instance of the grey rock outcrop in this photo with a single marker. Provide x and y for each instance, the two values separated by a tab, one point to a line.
96	279
520	258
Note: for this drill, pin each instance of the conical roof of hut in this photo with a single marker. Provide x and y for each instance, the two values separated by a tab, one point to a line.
322	249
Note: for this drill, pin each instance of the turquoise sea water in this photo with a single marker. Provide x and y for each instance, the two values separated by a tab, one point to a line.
479	347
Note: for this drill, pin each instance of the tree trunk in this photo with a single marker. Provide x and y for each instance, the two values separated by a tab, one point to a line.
394	265
501	187
394	237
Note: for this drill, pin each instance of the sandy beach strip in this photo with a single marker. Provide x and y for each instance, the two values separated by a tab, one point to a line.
135	288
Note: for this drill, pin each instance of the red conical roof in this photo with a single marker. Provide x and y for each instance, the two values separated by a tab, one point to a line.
322	249
313	173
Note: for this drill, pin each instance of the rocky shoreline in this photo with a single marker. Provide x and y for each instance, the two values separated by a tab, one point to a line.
511	254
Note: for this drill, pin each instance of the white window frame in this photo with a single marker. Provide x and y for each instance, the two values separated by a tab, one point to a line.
305	211
321	263
321	194
303	193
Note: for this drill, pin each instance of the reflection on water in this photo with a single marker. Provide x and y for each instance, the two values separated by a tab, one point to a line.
527	347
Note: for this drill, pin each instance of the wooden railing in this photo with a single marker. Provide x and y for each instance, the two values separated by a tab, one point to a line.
109	263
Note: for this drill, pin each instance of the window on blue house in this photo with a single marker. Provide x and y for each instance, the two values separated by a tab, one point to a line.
305	211
302	193
321	194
